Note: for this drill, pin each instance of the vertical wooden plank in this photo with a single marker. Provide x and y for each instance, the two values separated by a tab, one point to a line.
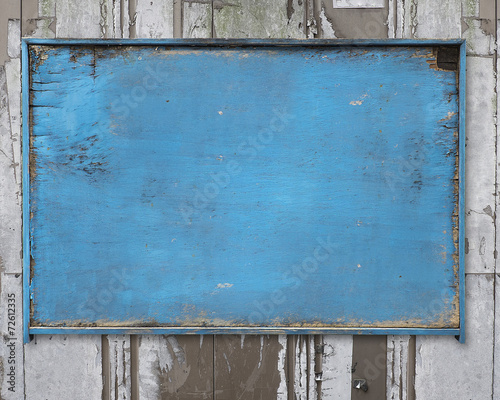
11	348
400	367
197	20
246	367
154	19
175	367
432	21
119	384
337	364
369	362
480	162
11	323
78	19
447	369
304	381
251	19
67	367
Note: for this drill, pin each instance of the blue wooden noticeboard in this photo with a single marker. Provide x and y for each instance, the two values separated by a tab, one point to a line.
180	186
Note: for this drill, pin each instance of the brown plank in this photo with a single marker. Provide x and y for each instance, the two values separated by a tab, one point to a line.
246	367
369	362
175	367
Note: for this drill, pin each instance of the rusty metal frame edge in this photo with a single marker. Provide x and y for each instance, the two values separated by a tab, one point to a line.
28	331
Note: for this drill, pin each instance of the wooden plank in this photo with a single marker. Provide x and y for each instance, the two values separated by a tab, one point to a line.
246	367
337	364
480	161
400	367
354	23
11	347
369	363
447	369
304	383
154	19
119	384
175	367
437	22
87	25
197	19
251	19
67	367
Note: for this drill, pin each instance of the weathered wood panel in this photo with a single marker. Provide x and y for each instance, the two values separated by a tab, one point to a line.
250	19
197	19
67	367
246	367
446	369
481	166
408	17
176	367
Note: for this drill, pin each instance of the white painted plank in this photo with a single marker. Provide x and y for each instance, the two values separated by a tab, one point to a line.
78	19
337	364
11	348
496	366
397	367
67	367
358	3
119	367
480	165
437	21
480	36
447	369
251	19
14	38
304	368
10	172
282	393
154	19
47	8
197	20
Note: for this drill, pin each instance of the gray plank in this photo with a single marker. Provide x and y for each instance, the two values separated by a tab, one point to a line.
197	20
447	369
337	363
67	367
251	19
480	166
78	19
154	19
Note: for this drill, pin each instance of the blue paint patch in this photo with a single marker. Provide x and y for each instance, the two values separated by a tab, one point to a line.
267	186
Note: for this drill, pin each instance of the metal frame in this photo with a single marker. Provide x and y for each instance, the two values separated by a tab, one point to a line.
27	295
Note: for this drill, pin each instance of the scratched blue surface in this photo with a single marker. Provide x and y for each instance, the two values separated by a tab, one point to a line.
245	186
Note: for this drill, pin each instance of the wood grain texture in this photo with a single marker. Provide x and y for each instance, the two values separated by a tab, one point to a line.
337	364
447	369
175	367
197	20
87	25
250	19
246	367
63	368
153	19
481	168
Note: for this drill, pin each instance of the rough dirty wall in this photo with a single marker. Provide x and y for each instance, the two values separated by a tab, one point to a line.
258	367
